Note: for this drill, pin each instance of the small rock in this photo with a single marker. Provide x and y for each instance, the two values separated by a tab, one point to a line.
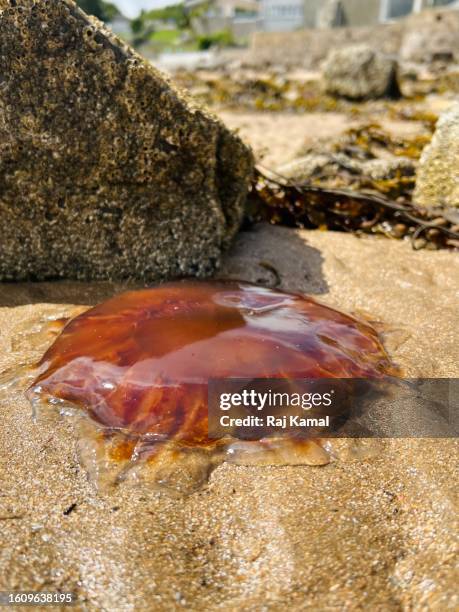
306	167
437	182
325	165
385	169
106	170
358	72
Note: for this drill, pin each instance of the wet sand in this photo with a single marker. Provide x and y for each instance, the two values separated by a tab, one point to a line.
375	535
278	137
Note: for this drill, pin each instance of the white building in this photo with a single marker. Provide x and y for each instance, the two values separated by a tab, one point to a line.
393	9
289	15
282	15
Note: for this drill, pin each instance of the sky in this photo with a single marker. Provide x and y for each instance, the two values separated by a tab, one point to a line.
131	8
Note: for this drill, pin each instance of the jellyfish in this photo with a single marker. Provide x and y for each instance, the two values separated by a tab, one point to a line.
134	373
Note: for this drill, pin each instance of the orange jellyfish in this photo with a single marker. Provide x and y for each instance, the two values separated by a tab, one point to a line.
135	371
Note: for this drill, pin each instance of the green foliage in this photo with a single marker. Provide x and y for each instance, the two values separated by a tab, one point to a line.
142	29
165	37
175	13
200	10
99	8
111	11
144	26
219	39
137	25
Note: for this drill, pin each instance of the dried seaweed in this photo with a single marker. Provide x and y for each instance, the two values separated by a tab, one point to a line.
258	91
277	89
368	139
281	201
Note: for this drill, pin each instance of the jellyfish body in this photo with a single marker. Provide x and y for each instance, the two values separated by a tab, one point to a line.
138	365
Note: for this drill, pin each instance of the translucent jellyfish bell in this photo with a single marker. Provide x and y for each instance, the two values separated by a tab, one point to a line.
134	371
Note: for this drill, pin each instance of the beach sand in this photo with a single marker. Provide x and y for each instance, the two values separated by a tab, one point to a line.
278	138
378	534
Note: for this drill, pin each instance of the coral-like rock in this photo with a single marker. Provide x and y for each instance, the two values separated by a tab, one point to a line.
437	182
358	72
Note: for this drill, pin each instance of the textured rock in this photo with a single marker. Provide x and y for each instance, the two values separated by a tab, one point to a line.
437	182
358	72
430	36
106	171
327	166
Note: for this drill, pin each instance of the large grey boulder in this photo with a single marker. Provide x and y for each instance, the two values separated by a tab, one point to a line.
437	182
358	72
106	170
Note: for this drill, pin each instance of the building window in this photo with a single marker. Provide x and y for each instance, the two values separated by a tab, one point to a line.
393	9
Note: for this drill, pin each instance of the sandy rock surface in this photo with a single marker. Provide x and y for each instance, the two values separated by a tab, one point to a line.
107	170
376	534
437	182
